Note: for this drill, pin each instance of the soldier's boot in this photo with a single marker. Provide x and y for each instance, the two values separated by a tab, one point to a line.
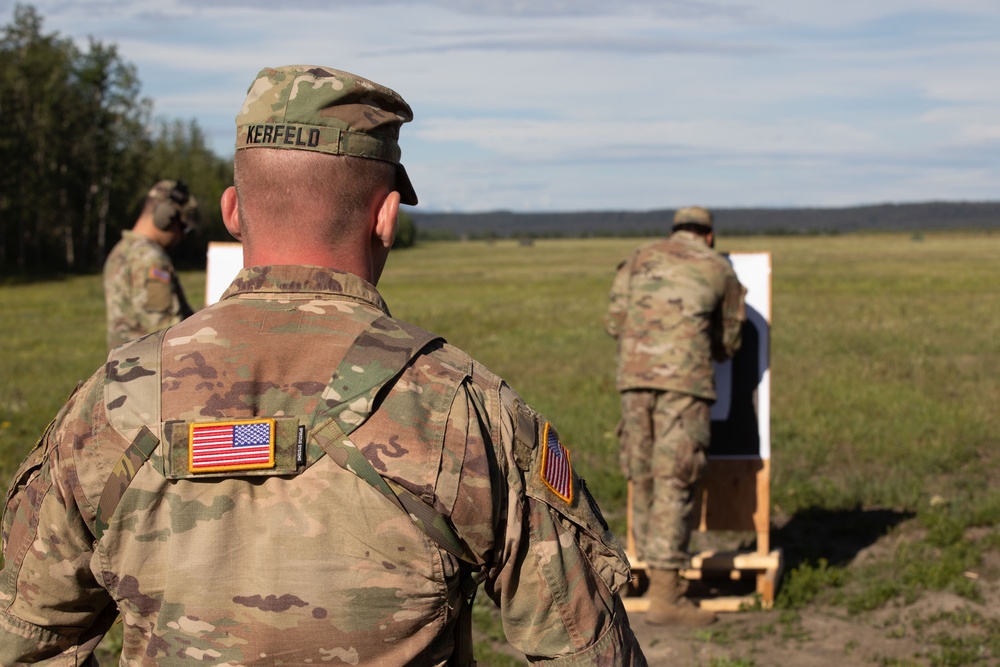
667	606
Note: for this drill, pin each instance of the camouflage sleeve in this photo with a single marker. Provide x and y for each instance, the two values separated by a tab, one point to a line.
186	310
618	299
553	567
52	610
118	299
727	333
158	304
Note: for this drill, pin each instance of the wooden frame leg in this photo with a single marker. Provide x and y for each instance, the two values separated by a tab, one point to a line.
630	536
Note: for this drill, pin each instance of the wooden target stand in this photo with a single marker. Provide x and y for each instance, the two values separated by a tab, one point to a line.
735	495
735	491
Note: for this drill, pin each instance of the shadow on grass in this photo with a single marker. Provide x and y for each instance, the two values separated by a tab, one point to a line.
807	538
835	535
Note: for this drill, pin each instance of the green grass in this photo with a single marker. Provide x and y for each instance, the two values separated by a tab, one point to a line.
889	348
534	316
732	662
52	336
884	381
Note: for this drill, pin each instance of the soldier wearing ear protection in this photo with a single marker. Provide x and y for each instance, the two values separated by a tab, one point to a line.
173	205
141	290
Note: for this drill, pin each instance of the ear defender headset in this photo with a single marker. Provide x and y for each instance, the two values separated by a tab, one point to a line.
168	211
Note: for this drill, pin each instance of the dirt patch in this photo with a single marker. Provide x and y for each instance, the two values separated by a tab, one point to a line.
938	629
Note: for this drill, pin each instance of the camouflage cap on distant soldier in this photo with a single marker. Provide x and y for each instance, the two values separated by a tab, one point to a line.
306	107
179	202
693	215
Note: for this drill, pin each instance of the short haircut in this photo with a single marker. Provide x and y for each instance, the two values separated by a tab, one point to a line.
326	196
692	227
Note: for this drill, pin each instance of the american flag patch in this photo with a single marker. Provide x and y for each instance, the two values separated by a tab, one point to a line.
159	274
557	473
235	445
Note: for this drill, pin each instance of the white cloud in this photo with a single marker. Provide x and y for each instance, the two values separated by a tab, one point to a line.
566	104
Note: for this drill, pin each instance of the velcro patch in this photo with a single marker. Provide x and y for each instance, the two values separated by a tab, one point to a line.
557	472
157	273
235	445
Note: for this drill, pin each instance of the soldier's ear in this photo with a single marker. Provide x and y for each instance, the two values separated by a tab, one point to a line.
231	213
383	233
386	220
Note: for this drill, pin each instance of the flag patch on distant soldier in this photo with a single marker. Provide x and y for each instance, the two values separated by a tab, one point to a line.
159	274
235	445
557	473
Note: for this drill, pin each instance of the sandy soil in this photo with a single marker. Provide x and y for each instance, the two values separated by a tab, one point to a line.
938	628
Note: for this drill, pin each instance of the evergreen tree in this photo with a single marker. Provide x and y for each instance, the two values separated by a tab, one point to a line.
79	154
406	232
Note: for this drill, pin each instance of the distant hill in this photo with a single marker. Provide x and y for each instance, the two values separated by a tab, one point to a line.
930	216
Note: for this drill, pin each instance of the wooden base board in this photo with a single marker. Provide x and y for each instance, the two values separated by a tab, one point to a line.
766	568
719	605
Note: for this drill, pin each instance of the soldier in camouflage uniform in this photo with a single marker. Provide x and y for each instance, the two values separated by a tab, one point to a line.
675	305
293	477
141	291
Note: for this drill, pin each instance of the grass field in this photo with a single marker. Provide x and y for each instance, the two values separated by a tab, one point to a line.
885	358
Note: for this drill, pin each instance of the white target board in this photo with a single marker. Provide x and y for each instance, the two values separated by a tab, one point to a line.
741	416
224	261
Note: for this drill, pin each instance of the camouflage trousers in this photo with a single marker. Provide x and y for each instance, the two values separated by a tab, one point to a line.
664	436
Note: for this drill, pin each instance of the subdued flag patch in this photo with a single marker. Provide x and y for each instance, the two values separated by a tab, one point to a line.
235	445
557	473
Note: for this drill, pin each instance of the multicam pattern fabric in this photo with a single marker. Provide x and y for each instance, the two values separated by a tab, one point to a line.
664	437
141	290
313	108
305	563
675	304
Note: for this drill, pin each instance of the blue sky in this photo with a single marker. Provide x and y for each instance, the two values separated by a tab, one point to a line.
569	105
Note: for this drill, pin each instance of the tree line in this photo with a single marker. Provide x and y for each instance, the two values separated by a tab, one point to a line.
915	217
80	148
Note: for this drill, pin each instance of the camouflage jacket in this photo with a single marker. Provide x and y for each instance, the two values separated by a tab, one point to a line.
294	560
141	291
675	304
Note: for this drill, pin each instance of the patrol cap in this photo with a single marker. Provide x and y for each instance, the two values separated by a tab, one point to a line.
312	108
693	215
178	200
